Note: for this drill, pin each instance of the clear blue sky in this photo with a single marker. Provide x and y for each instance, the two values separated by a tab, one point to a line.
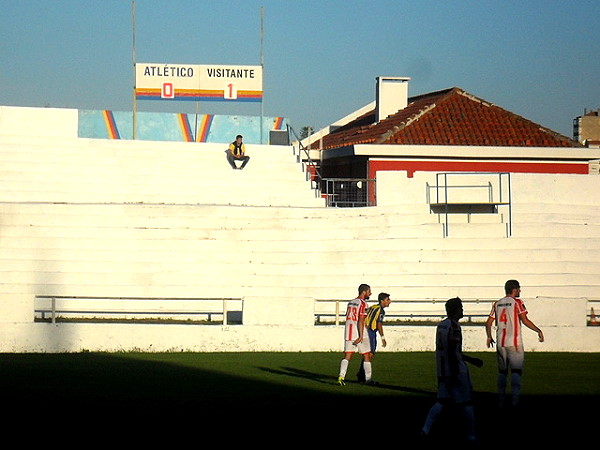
537	58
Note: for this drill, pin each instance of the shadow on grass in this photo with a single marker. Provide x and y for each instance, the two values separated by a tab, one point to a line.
328	379
93	391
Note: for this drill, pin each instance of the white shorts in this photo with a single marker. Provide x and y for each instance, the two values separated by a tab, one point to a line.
362	347
512	357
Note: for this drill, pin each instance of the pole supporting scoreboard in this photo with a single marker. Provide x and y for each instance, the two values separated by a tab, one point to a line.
198	82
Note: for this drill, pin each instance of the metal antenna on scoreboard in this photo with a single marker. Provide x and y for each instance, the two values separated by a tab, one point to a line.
262	66
134	119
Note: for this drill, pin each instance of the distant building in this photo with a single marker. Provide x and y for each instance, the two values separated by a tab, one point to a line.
586	129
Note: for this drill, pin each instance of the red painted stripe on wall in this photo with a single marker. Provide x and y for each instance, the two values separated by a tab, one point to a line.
193	94
204	129
411	166
477	166
111	125
185	127
277	123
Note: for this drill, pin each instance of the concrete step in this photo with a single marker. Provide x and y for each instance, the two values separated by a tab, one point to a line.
331	217
108	254
246	265
222	234
555	230
592	218
195	216
350	216
203	172
54	163
48	285
302	243
554	207
95	219
189	275
80	170
473	230
42	250
134	153
91	170
221	198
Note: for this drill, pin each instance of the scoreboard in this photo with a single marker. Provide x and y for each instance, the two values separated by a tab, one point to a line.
198	82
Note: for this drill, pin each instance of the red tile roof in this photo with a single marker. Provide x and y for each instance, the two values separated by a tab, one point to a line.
448	117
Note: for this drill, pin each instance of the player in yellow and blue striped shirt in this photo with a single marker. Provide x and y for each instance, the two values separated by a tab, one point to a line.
374	324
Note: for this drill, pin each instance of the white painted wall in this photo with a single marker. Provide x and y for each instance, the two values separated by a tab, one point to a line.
303	336
395	188
16	120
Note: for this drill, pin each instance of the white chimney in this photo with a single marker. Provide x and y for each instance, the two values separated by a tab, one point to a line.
391	95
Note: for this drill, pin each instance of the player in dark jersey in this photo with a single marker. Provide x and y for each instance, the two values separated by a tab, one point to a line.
454	381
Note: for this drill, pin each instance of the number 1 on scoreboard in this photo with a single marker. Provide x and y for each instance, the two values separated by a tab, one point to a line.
230	92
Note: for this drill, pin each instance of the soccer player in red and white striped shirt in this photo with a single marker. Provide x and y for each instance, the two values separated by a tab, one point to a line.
508	314
356	338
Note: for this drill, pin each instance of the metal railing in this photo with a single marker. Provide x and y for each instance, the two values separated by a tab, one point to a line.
229	311
348	192
494	193
54	309
310	167
337	192
406	312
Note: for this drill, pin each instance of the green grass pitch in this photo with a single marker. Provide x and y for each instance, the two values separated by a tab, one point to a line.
294	394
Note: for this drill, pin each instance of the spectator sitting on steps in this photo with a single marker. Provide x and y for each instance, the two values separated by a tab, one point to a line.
237	152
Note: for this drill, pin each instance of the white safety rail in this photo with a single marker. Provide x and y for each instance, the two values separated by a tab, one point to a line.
141	309
405	312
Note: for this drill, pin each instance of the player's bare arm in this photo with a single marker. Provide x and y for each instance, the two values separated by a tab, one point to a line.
488	329
361	329
380	330
529	324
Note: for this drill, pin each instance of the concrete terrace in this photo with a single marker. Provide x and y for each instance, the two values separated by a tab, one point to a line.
167	220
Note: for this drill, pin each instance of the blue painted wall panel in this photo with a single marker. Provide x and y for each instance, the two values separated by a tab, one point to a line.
100	124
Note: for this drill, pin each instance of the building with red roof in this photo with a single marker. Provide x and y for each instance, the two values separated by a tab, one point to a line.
443	131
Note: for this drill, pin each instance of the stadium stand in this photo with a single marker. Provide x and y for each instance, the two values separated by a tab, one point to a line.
93	219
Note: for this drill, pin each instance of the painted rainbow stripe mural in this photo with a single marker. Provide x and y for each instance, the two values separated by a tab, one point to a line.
186	130
204	128
277	123
111	125
197	95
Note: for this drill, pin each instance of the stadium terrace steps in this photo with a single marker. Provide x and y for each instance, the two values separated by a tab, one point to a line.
102	171
87	259
83	217
198	216
109	276
400	292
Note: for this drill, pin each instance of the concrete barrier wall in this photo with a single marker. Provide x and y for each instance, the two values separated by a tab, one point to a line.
24	121
287	329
